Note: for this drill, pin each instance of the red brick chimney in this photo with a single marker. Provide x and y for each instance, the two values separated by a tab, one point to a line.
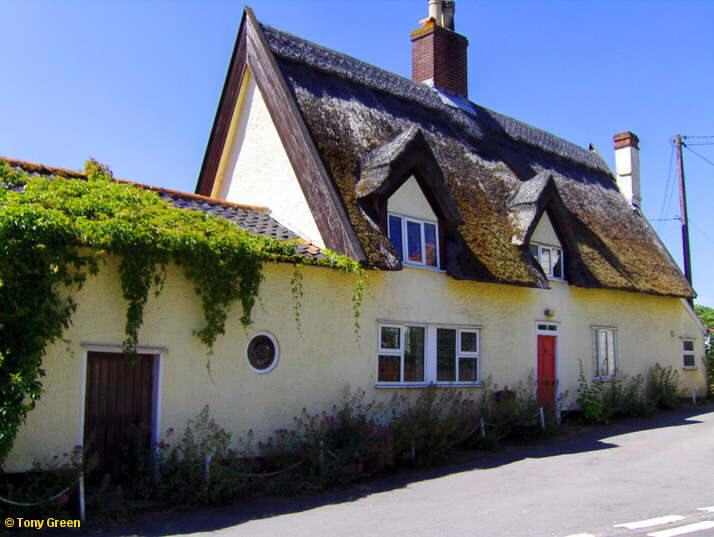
438	52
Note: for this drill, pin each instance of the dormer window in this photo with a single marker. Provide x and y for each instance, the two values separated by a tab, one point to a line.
416	241
550	259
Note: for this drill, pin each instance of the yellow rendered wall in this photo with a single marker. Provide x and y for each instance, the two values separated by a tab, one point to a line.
318	361
257	169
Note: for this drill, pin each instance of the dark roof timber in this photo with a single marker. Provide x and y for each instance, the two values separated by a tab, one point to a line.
348	118
252	51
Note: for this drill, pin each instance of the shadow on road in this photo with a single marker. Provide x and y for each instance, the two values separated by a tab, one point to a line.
573	439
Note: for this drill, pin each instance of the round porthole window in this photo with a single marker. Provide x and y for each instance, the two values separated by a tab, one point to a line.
263	353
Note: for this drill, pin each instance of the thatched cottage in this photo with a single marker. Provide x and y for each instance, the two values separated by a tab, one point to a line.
495	250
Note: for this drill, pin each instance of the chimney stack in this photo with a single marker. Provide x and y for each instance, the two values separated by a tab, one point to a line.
627	166
438	52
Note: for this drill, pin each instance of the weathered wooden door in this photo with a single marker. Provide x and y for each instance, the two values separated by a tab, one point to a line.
546	370
118	410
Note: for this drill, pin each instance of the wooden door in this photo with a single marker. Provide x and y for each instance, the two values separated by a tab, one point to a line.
118	411
546	380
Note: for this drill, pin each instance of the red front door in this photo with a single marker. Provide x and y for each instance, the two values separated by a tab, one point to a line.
546	371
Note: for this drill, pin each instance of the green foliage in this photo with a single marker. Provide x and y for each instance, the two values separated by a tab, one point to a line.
57	231
709	369
629	397
663	386
705	314
354	440
428	428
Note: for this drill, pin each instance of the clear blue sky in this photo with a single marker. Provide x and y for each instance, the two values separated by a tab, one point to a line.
136	83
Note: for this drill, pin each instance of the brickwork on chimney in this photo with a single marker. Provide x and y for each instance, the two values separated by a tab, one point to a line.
439	54
626	139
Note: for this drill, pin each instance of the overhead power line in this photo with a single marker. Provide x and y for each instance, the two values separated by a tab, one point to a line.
700	156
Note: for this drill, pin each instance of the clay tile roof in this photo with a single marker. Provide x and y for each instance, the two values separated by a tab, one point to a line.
251	218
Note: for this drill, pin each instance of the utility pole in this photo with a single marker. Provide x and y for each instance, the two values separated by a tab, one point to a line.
683	211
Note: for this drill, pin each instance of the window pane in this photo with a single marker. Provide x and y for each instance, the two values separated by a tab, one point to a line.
414	242
602	353
469	342
445	354
542	327
468	370
390	338
610	353
388	368
688	345
430	245
557	263
534	251
414	354
689	360
552	328
395	235
545	261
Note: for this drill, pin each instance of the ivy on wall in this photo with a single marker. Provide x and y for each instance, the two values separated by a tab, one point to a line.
54	233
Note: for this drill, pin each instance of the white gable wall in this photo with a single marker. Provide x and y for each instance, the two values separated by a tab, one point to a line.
544	232
409	200
257	170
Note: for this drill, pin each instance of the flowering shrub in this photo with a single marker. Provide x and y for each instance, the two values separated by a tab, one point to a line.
352	441
629	397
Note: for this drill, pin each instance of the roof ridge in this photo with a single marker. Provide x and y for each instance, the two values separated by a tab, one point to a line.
408	89
43	169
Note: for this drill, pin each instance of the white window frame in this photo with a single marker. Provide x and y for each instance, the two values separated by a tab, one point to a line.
430	354
400	351
404	220
612	332
551	250
692	353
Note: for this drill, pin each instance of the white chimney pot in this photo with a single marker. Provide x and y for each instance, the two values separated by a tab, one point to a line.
627	167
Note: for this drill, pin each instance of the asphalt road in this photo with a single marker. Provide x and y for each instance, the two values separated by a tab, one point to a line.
586	484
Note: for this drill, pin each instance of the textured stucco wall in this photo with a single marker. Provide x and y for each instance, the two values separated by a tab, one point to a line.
409	200
318	361
258	171
544	232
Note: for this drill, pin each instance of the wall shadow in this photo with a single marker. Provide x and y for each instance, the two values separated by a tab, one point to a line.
573	439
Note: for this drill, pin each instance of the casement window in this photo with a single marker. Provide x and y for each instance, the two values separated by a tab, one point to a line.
688	355
422	354
550	259
456	355
416	241
401	353
605	340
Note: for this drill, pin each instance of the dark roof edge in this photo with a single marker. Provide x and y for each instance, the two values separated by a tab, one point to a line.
360	72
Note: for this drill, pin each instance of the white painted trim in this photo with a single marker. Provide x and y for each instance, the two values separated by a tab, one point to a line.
430	350
422	323
82	397
111	347
421	221
272	366
616	344
156	401
556	334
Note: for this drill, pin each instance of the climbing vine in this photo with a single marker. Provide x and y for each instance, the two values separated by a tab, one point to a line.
54	233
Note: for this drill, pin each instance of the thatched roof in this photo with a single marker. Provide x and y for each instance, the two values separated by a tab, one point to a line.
352	132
